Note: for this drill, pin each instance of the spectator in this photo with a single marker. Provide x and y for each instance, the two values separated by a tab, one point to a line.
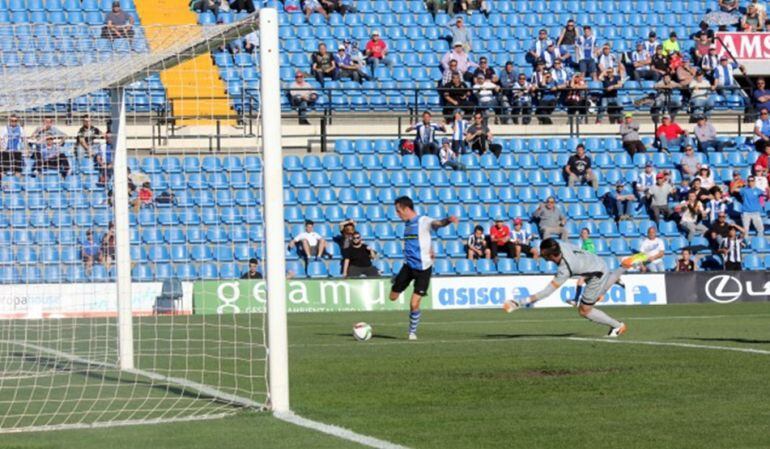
561	75
45	130
567	40
476	246
118	24
675	61
500	239
763	160
618	202
345	237
720	229
629	136
585	50
611	83
752	21
13	146
724	80
425	135
346	68
538	76
731	249
357	59
251	43
461	34
716	205
376	53
684	263
736	183
642	63
691	215
654	248
253	271
311	6
729	6
706	177
242	5
434	6
547	101
607	60
760	175
688	164
456	96
302	96
578	168
107	247
659	63
521	100
144	197
50	156
464	62
550	56
551	220
479	137
709	62
312	244
323	65
652	43
89	252
446	75
671	44
685	72
332	6
507	81
86	136
762	131
469	5
576	100
103	159
522	241
539	47
586	242
658	196
751	206
703	45
706	135
761	96
703	195
665	101
166	197
357	259
670	134
486	93
487	72
459	127
700	91
447	156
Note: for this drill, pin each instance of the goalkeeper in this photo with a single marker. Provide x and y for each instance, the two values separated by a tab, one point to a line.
575	262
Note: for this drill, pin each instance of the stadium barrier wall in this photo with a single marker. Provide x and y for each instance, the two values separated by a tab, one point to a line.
82	300
458	292
721	287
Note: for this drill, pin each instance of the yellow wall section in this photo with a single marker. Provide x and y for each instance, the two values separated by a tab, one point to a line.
197	78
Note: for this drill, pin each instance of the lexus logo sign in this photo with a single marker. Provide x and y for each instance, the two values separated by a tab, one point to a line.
724	289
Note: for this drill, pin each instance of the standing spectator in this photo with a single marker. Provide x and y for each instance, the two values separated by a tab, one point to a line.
716	205
547	101
671	44
731	249
345	237
576	99
376	53
456	96
619	201
253	271
13	146
464	62
607	60
551	220
706	136
479	137
311	6
585	51
700	91
89	252
761	95
762	131
658	196
357	259
45	130
50	156
86	136
578	168
703	44
312	243
476	246
642	63
434	5
461	34
670	134
539	47
302	96
629	135
709	62
521	100
684	263
567	40
468	6
752	21
103	159
500	239
446	75
586	242
486	93
654	248
107	247
323	65
611	83
345	66
425	135
459	127
691	215
652	43
724	79
118	24
507	82
522	240
751	206
447	156
688	164
251	43
665	101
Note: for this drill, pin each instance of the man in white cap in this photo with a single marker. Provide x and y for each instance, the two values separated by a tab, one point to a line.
376	53
461	33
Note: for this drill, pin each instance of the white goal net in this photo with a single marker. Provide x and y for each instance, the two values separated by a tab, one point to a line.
125	231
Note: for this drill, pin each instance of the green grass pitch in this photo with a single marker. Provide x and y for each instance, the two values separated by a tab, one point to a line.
483	379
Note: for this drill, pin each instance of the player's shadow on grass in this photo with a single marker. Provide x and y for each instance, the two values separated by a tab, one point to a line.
374	337
502	336
734	340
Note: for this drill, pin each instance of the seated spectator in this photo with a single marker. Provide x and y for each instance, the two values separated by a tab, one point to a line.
457	95
479	138
665	100
356	58
762	131
671	44
311	6
675	61
688	164
641	60
736	183
253	271
611	83
652	43
464	62
118	24
522	240
658	196
459	128
86	136
165	197
446	75
357	259
629	135
561	75
724	79
752	21
89	252
459	33
311	243
242	5
447	156
703	195
716	205
719	230
486	92
705	177
751	199
323	65
709	62
551	220
376	53
685	73
487	72
691	215
538	75
607	60
706	136
207	5
346	68
567	40
103	159
730	6
468	6
50	157
731	249
550	56
586	53
520	97
703	44
476	246
338	6
576	99
425	135
539	47
684	263
500	239
13	147
345	237
670	134
578	168
434	6
654	248
761	95
701	103
251	43
548	100
47	129
302	96
586	242
143	197
763	160
619	201
107	247
645	180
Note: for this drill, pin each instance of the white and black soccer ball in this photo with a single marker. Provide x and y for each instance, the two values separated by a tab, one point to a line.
362	331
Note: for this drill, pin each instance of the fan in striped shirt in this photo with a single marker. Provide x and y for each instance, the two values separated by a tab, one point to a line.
477	246
732	250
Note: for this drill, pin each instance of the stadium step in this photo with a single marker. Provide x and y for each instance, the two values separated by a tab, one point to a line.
194	87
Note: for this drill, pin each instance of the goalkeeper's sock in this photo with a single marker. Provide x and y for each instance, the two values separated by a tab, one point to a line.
414	321
614	277
597	316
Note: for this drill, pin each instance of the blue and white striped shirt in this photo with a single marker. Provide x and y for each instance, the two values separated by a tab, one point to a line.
426	133
13	138
417	243
724	75
586	47
638	56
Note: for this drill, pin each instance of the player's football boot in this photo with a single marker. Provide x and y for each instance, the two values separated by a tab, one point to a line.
636	259
615	332
412	337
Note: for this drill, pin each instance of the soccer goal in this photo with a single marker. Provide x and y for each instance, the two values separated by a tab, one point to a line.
125	233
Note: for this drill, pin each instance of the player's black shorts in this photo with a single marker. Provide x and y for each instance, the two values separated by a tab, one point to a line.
408	274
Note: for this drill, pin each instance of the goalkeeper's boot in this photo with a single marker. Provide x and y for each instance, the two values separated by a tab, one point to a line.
636	259
615	332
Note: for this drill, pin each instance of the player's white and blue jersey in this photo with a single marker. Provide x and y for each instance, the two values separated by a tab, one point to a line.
417	243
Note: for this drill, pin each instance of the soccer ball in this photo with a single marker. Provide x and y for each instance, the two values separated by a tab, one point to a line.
362	331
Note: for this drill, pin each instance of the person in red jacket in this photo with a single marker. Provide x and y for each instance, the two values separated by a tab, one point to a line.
500	239
669	134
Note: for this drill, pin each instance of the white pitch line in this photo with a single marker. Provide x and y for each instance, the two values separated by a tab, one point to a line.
337	431
671	344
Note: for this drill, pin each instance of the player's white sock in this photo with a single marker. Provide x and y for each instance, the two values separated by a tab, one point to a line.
597	316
